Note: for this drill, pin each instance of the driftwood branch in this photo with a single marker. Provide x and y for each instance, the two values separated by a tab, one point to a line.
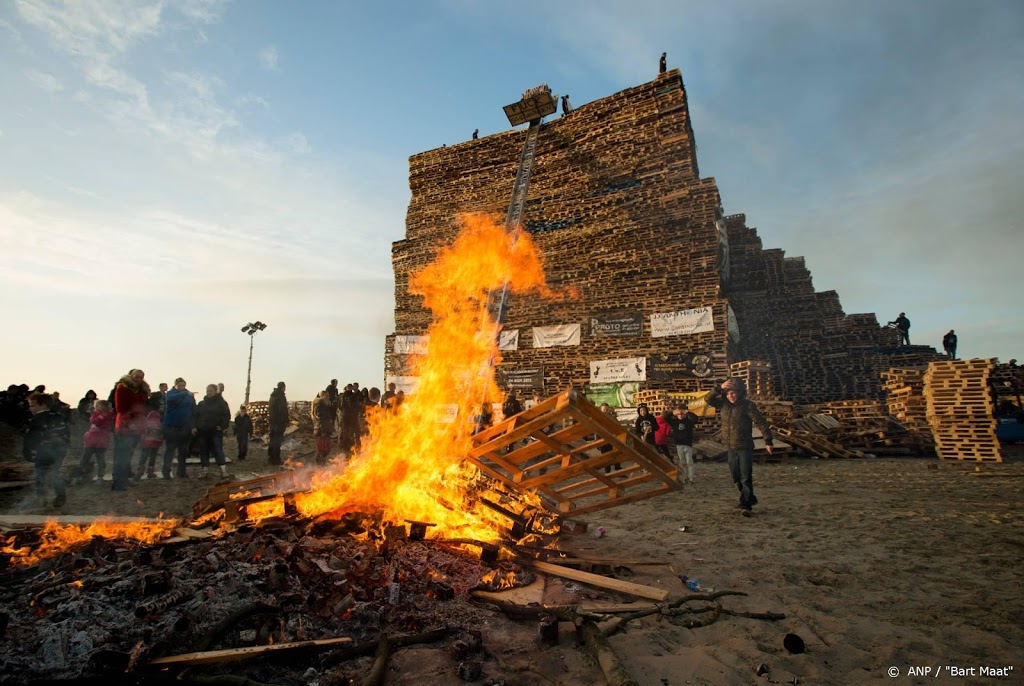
370	647
607	659
380	662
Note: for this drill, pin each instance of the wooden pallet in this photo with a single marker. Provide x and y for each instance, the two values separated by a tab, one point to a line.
959	410
554	449
283	482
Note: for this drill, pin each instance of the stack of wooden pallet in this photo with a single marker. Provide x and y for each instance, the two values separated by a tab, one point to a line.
757	375
959	410
656	401
904	387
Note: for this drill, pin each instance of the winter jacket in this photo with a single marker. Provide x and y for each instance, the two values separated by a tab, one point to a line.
322	413
645	423
130	401
154	435
510	407
682	429
739	419
101	422
212	413
46	438
243	425
181	405
663	433
278	415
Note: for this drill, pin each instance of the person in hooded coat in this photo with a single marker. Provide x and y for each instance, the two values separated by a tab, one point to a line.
738	416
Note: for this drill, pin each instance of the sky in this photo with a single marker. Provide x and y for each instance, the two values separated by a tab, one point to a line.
172	170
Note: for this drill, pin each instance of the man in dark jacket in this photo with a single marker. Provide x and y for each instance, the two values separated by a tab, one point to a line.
683	423
180	405
210	421
278	419
47	438
902	325
949	344
511	405
739	416
645	424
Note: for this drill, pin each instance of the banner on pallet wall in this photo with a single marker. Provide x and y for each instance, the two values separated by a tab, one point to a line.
508	339
411	345
523	379
552	336
695	400
621	369
667	367
404	365
617	324
682	322
406	384
617	395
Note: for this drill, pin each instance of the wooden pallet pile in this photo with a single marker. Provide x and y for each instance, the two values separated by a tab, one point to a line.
298	416
904	387
560	448
656	401
814	444
959	410
757	375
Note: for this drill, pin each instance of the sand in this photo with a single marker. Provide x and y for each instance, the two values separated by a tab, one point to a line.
877	564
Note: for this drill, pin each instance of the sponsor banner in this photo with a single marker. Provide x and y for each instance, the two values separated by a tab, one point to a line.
552	336
696	401
508	340
406	384
411	345
666	367
619	324
622	369
404	365
525	379
682	323
732	325
615	394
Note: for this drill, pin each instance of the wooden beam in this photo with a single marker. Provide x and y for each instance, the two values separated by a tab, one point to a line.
601	581
234	654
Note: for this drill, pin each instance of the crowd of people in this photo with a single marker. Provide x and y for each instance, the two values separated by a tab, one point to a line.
134	422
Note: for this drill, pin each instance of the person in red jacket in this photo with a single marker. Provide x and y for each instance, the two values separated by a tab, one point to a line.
96	441
131	396
152	439
663	434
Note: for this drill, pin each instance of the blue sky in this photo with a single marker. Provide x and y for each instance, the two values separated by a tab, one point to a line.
173	170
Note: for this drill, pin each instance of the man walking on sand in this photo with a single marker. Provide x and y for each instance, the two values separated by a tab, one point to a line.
739	416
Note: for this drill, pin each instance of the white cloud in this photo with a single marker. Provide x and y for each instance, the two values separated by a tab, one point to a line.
44	81
269	58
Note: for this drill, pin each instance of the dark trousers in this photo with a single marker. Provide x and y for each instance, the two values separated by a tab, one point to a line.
124	448
904	337
274	448
741	465
243	446
176	440
48	476
211	440
85	466
147	458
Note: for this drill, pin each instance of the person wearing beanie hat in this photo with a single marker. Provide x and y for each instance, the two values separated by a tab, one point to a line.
739	415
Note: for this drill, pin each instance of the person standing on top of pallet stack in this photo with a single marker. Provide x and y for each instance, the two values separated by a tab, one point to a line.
739	415
902	325
949	344
662	65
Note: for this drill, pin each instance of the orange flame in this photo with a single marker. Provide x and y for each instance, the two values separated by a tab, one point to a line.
412	465
55	538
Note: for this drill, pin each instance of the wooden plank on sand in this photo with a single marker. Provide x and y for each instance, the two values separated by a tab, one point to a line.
601	581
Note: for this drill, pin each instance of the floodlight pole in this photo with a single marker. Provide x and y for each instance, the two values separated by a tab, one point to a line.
252	329
248	374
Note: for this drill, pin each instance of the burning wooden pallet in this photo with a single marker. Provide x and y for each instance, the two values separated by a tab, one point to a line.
561	449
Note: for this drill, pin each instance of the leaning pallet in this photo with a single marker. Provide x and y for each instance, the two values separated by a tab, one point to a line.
959	410
560	448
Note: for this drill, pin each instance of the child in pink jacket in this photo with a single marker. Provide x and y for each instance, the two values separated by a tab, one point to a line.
152	439
97	440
